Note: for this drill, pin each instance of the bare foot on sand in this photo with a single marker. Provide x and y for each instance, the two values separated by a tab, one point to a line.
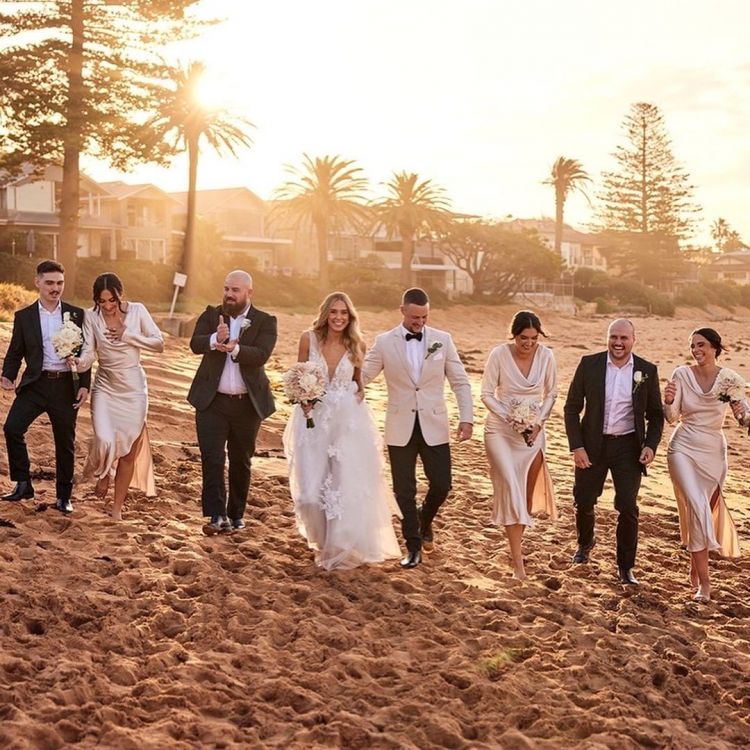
102	486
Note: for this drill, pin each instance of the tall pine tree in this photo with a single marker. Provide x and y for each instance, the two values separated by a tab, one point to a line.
646	205
80	77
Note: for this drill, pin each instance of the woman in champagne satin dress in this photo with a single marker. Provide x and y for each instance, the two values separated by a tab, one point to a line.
116	331
697	458
521	370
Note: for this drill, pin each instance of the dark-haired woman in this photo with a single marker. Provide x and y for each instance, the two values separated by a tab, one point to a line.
519	386
115	333
697	456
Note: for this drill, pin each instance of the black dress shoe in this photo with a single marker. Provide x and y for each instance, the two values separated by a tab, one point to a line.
22	491
238	524
412	559
217	525
64	506
425	530
626	576
583	553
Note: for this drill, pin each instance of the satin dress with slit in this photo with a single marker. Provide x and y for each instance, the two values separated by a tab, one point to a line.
509	457
697	462
119	395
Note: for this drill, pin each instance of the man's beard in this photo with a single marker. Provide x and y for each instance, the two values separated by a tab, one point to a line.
233	309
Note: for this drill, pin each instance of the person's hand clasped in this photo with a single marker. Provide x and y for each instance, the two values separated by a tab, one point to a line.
465	430
581	458
6	384
534	434
739	411
81	398
114	330
646	457
670	391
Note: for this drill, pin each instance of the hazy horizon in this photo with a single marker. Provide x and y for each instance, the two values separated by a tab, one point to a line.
479	96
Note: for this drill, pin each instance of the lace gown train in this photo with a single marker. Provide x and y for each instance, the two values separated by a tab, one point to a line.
342	500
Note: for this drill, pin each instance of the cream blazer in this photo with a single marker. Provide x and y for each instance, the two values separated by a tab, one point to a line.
407	398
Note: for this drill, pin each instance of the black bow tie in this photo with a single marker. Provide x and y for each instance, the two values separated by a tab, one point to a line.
417	336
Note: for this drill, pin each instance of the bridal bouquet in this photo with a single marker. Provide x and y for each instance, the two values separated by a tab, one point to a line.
523	415
305	382
68	342
729	386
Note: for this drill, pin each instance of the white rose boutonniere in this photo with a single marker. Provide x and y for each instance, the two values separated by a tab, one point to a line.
433	348
638	379
246	323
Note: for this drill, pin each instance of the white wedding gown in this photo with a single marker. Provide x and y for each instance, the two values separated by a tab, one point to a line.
341	498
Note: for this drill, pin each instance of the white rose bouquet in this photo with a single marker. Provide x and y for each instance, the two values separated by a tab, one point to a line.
729	386
67	343
522	416
305	383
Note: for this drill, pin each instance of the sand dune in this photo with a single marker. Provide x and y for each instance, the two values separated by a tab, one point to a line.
146	634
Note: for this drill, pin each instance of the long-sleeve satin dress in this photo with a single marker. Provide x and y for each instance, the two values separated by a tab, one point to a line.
697	461
509	457
119	394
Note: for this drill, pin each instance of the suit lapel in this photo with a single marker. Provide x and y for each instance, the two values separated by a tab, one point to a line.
35	317
430	339
601	377
400	345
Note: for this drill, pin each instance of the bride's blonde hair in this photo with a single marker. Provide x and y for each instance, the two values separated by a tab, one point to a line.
351	335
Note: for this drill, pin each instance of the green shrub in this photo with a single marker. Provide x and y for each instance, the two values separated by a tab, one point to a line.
13	297
692	296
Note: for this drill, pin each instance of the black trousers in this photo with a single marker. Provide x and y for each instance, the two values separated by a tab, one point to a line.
55	397
228	426
620	457
436	460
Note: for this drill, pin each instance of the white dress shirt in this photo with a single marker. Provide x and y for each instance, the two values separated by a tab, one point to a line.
51	323
415	353
231	382
618	398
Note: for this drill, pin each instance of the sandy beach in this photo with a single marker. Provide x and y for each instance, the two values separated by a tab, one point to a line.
145	634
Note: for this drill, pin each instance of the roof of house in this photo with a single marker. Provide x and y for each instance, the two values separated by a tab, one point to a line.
209	201
120	190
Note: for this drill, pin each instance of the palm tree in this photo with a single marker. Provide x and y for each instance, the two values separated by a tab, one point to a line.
567	176
327	193
181	124
411	207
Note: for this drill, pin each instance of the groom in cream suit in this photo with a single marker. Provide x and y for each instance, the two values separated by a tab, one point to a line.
416	360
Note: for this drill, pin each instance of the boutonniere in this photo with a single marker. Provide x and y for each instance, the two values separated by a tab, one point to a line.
246	323
638	379
433	348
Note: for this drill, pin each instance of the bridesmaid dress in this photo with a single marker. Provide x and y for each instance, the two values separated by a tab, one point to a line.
119	395
697	462
509	457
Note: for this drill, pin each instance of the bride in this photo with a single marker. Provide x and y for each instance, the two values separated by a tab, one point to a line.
342	501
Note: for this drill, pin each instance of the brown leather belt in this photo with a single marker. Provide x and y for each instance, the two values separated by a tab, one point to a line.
233	395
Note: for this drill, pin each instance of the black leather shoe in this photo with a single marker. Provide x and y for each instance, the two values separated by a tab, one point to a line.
22	491
217	525
412	559
64	506
425	530
583	553
626	576
238	524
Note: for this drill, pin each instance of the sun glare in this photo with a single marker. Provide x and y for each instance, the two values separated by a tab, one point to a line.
211	92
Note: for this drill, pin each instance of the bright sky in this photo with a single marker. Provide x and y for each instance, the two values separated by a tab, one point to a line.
479	95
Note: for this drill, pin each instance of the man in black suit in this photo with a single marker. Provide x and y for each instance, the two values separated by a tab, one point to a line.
46	385
619	433
231	396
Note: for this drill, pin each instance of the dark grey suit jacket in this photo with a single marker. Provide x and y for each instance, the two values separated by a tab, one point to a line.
256	344
26	344
587	389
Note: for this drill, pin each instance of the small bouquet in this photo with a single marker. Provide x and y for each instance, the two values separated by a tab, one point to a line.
522	417
305	382
729	386
67	343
